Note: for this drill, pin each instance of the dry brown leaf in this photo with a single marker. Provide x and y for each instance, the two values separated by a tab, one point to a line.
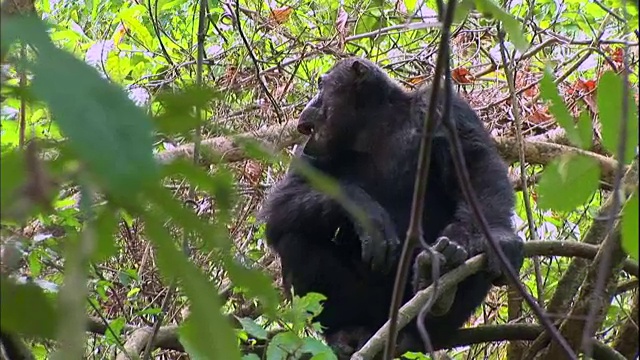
462	75
417	80
341	25
540	114
532	91
281	15
252	172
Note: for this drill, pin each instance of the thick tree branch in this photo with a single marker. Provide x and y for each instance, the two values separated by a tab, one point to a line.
278	137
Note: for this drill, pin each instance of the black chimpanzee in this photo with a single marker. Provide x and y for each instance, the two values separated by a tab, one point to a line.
365	132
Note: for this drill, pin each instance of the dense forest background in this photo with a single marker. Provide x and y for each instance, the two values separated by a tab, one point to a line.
139	138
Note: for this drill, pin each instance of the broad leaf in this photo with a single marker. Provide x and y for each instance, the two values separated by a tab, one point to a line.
610	114
568	182
549	91
26	310
105	129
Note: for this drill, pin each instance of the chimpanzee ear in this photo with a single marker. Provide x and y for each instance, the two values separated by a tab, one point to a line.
359	68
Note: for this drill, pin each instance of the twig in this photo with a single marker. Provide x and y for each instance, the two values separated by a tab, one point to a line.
273	101
515	113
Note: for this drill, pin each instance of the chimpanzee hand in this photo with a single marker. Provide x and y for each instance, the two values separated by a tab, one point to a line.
449	256
476	243
380	244
513	248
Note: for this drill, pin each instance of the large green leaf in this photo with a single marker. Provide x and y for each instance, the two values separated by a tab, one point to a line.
610	90
256	283
568	182
549	91
206	331
106	130
26	310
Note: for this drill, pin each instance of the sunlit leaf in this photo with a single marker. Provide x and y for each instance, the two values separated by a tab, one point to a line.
568	182
112	334
129	16
549	91
610	114
104	127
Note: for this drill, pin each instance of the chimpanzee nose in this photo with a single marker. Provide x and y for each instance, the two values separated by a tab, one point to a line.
305	128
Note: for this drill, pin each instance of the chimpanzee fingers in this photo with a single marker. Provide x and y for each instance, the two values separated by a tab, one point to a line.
441	244
393	248
374	250
493	265
454	254
423	266
513	248
384	248
366	246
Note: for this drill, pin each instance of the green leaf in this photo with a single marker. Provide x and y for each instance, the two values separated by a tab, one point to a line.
35	265
253	328
257	284
303	310
133	292
12	177
215	236
105	129
205	321
26	310
319	349
250	357
610	114
630	226
106	225
410	5
512	26
129	17
549	92
113	336
585	129
568	182
178	115
283	345
462	10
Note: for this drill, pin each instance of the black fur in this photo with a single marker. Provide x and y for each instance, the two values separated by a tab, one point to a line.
366	132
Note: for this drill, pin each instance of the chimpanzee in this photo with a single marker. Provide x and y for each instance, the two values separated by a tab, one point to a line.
365	131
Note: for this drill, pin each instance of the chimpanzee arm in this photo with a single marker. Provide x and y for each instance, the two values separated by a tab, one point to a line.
494	192
295	207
